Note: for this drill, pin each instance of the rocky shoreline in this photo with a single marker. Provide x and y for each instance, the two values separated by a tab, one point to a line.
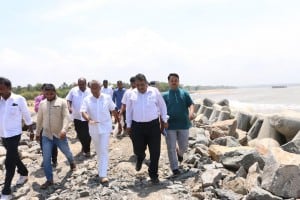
231	156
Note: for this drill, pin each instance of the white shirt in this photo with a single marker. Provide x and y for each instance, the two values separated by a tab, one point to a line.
108	91
98	110
76	96
145	107
126	96
12	111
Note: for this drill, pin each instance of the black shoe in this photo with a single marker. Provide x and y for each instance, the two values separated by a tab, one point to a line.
46	185
54	164
73	167
155	181
176	172
180	158
138	165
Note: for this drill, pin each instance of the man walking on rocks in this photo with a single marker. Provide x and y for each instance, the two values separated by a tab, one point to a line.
180	110
12	109
37	101
96	110
125	98
117	99
143	109
53	118
105	89
74	99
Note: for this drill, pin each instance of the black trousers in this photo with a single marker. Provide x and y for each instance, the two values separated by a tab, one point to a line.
82	130
12	160
54	149
147	134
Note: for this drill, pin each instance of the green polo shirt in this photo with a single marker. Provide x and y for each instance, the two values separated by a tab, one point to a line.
178	101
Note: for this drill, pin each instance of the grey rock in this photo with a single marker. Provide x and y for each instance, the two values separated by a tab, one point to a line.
223	102
208	102
241	157
228	194
211	177
227	141
282	181
254	130
241	172
292	146
286	125
258	193
243	121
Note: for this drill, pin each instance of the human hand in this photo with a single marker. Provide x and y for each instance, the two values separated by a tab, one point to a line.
92	122
128	130
62	135
192	116
37	137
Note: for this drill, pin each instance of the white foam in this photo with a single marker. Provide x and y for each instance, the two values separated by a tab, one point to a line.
263	108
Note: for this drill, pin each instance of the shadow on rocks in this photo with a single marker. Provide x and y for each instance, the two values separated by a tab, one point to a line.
144	187
39	173
58	184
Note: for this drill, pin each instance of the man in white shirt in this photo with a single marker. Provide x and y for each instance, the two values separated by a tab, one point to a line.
125	98
143	109
74	99
105	89
12	109
96	110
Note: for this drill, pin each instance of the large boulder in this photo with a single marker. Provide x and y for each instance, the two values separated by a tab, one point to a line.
253	178
263	143
223	128
208	102
254	130
233	160
268	131
294	145
243	121
223	102
227	141
286	125
257	193
281	174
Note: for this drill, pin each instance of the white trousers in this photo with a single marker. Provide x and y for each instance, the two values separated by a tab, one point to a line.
101	142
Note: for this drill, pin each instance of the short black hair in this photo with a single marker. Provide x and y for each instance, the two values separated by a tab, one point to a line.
105	81
173	74
141	77
49	87
6	82
132	79
43	86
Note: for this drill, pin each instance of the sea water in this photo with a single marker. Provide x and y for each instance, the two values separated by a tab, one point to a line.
259	99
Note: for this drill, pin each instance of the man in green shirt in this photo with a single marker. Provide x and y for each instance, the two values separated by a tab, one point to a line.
180	109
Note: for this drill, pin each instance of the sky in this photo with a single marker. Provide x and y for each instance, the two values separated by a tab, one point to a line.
207	42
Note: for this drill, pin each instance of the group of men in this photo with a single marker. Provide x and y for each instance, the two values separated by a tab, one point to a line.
146	111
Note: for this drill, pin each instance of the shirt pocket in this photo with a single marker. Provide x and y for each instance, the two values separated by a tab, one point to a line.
14	110
151	100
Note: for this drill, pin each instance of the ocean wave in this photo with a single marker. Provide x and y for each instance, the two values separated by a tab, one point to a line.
264	108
